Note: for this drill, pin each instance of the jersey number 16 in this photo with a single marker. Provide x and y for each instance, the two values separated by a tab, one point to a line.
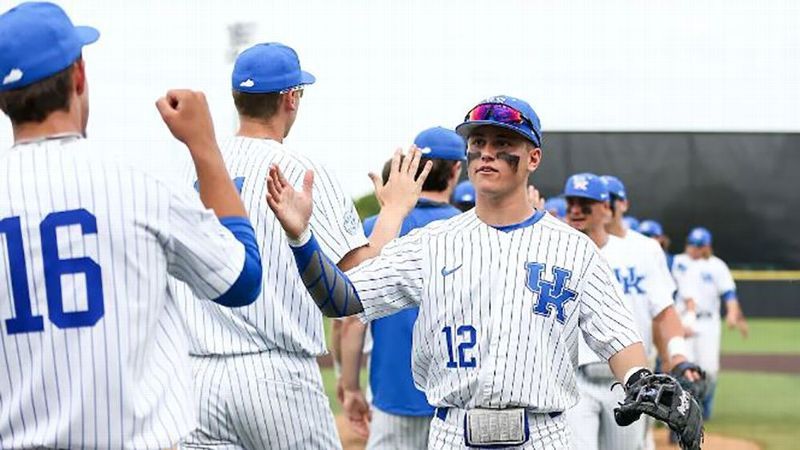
54	267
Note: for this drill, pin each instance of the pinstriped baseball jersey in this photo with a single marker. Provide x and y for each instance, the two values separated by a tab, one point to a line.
500	309
91	342
285	316
641	270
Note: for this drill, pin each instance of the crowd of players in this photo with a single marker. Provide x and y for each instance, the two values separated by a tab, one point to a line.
399	414
121	264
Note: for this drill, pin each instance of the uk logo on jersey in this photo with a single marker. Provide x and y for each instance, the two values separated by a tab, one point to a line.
630	281
552	294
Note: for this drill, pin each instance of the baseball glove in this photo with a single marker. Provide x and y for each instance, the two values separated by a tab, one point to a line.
661	396
698	388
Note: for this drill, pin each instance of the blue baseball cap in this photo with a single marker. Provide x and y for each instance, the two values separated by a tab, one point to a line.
464	192
586	185
557	205
268	67
650	228
38	40
505	112
699	237
441	143
632	223
615	187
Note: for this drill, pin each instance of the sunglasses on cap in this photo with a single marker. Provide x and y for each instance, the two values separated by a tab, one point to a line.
499	112
294	89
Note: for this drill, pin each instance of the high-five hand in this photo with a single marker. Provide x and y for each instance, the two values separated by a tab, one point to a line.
403	187
292	208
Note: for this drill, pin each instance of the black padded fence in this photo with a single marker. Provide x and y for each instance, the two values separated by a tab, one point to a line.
744	187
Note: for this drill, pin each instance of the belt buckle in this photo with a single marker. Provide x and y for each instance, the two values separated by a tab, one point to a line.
496	428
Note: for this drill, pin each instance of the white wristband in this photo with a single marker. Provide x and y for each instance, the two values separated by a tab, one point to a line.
677	346
301	240
689	320
630	372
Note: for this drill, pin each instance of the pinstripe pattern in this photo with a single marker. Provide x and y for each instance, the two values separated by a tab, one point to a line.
285	317
284	323
547	433
236	394
390	431
489	292
122	382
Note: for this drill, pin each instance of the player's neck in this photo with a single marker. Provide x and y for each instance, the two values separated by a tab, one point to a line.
599	236
434	196
261	129
57	123
617	228
503	211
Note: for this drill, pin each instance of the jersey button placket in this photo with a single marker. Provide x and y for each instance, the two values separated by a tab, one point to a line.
490	376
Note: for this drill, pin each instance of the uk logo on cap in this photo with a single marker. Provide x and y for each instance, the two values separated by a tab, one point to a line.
580	183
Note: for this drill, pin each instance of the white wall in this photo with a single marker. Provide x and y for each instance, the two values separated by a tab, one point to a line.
388	69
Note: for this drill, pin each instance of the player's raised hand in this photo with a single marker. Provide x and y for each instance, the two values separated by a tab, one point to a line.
535	198
292	208
357	411
187	116
403	187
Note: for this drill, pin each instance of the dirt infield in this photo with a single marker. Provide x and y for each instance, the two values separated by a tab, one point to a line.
712	442
772	363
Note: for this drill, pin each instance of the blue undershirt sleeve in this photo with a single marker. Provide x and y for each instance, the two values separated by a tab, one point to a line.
247	287
330	288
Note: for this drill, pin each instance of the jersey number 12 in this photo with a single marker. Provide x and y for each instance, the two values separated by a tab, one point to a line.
54	267
467	335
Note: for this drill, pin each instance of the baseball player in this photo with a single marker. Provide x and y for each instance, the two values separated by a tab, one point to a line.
647	294
464	196
556	206
703	281
401	415
631	223
618	226
502	292
653	230
94	354
256	375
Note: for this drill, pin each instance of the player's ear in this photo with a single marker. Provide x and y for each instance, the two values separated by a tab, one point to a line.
292	100
456	171
79	77
534	157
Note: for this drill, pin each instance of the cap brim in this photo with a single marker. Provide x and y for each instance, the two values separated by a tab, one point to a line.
307	78
466	128
87	35
582	195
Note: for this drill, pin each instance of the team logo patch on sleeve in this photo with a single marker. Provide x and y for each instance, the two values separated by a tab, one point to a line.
351	222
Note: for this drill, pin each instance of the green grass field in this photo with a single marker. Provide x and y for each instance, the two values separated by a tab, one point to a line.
766	336
764	408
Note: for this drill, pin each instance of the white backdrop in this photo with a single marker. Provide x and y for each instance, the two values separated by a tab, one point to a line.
388	69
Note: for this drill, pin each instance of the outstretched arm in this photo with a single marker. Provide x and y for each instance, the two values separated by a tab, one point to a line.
333	292
397	197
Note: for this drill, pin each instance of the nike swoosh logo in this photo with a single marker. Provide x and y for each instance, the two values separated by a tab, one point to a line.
446	272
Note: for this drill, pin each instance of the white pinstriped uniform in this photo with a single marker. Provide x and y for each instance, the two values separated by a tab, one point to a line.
281	333
479	340
705	281
641	270
108	367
